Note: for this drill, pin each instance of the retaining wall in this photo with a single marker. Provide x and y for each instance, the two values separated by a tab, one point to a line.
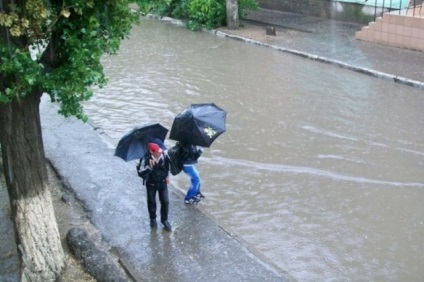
349	12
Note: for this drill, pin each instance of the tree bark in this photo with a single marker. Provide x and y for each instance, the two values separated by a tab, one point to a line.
232	14
24	167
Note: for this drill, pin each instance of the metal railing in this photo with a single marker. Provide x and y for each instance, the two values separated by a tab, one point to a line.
414	8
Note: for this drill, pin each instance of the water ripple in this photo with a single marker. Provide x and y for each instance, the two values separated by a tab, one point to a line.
306	170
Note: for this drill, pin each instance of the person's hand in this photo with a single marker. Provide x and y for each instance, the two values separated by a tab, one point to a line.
168	180
152	163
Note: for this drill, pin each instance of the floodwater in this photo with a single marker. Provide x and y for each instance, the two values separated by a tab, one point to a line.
320	172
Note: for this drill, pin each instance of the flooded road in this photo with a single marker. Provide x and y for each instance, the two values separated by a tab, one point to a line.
320	172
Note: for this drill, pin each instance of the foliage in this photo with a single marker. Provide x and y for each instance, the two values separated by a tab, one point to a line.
206	13
198	13
22	73
180	9
244	5
159	7
75	37
146	6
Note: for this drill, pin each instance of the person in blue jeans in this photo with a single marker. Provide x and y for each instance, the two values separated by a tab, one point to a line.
190	155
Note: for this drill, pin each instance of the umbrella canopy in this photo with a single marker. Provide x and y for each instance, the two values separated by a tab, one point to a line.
199	124
133	145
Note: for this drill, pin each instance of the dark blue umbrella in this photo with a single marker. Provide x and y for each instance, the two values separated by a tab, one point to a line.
133	145
199	124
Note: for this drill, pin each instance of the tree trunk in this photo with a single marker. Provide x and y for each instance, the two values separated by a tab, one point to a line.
232	14
24	167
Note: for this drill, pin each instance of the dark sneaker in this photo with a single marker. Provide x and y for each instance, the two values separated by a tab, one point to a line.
200	196
153	223
166	225
191	201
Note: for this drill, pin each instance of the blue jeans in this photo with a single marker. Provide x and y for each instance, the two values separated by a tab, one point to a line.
194	188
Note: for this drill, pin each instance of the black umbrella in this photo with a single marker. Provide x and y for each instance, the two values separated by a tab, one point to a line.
199	124
133	145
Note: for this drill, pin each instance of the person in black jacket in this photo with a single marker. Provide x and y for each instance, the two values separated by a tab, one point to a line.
190	154
154	169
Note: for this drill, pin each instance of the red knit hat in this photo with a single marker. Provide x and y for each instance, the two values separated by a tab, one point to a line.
153	147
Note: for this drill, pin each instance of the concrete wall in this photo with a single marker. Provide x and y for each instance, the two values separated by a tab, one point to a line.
349	12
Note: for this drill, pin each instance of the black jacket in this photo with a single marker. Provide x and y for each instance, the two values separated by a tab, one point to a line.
190	154
154	175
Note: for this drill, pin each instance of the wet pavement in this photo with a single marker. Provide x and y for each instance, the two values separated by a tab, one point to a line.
198	248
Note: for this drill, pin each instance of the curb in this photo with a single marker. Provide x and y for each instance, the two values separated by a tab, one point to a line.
96	262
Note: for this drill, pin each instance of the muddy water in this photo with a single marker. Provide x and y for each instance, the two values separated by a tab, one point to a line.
321	170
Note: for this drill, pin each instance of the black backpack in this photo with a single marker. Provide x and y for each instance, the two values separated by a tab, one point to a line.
143	175
176	159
